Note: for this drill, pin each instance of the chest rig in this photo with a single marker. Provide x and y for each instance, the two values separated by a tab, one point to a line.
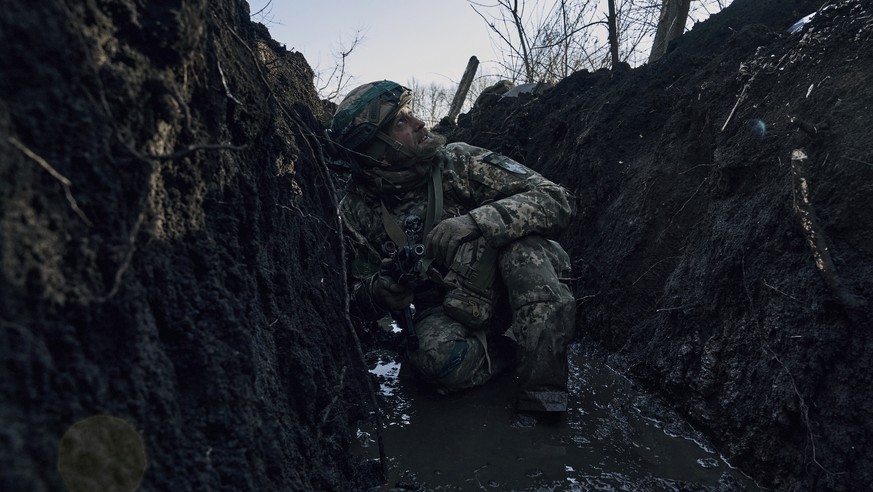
471	277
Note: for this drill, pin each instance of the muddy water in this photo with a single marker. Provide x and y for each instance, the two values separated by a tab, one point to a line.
612	438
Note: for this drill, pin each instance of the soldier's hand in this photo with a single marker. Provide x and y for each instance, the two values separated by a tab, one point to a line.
444	239
389	294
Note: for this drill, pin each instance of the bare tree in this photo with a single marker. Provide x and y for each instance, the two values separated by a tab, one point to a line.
546	40
332	83
671	25
541	41
264	14
613	34
430	102
522	37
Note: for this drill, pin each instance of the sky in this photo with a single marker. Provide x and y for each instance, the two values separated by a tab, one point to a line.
429	41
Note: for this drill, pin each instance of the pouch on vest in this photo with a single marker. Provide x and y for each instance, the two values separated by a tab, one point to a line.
473	274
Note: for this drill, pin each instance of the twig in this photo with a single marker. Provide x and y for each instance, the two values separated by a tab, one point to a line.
326	413
226	89
676	308
269	88
684	204
745	284
804	409
695	167
128	257
778	64
268	4
146	157
779	291
653	266
856	160
66	183
583	299
739	99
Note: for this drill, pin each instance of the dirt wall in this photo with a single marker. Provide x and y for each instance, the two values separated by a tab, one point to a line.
722	245
169	247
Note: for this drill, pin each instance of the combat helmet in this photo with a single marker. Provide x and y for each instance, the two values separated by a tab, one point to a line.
358	126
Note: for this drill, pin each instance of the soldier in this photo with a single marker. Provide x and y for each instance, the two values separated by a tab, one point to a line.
477	225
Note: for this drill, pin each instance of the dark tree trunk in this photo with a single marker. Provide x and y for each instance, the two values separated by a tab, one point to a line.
613	35
671	25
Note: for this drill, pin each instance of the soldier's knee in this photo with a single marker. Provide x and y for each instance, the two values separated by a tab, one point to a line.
452	364
535	269
449	360
438	362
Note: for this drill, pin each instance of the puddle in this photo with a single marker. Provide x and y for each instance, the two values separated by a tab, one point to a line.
613	438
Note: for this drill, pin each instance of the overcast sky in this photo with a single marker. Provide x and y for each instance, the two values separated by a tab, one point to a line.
428	40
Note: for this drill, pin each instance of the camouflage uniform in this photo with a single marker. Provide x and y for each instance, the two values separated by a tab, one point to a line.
515	209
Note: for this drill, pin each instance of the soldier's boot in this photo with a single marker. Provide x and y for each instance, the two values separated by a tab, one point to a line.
503	354
544	329
543	319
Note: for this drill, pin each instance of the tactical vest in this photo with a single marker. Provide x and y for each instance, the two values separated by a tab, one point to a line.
471	277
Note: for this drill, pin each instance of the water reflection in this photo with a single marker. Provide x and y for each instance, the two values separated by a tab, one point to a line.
612	438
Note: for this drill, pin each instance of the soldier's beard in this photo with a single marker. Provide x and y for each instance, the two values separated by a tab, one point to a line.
405	173
428	149
424	152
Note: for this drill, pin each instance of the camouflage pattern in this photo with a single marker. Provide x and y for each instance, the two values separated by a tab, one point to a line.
365	110
449	355
543	321
516	209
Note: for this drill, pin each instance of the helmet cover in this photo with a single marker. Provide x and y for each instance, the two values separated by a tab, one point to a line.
365	111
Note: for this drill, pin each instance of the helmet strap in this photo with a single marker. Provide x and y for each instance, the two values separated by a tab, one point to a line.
395	145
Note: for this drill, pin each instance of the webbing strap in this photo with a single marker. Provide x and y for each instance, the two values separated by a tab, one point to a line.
394	144
392	228
483	278
434	200
484	341
433	215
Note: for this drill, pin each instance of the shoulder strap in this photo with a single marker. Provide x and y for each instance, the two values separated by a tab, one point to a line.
434	200
433	215
392	228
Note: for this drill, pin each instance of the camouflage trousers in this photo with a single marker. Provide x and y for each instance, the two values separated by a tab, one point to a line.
452	356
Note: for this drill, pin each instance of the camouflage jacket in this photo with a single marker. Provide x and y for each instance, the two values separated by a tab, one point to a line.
505	199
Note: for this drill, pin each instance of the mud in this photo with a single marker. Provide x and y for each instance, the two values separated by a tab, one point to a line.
615	437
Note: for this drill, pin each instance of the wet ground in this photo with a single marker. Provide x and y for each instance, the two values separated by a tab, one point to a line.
613	438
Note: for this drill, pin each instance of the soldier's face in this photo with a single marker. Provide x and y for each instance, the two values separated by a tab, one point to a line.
411	132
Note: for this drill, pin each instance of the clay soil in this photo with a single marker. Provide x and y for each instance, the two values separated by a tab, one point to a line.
170	254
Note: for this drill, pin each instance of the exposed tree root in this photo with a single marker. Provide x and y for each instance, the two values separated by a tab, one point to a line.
815	235
66	183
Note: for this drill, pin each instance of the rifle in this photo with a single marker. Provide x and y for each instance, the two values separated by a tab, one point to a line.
404	266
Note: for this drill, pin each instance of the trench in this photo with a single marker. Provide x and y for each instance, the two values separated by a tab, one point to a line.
614	437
